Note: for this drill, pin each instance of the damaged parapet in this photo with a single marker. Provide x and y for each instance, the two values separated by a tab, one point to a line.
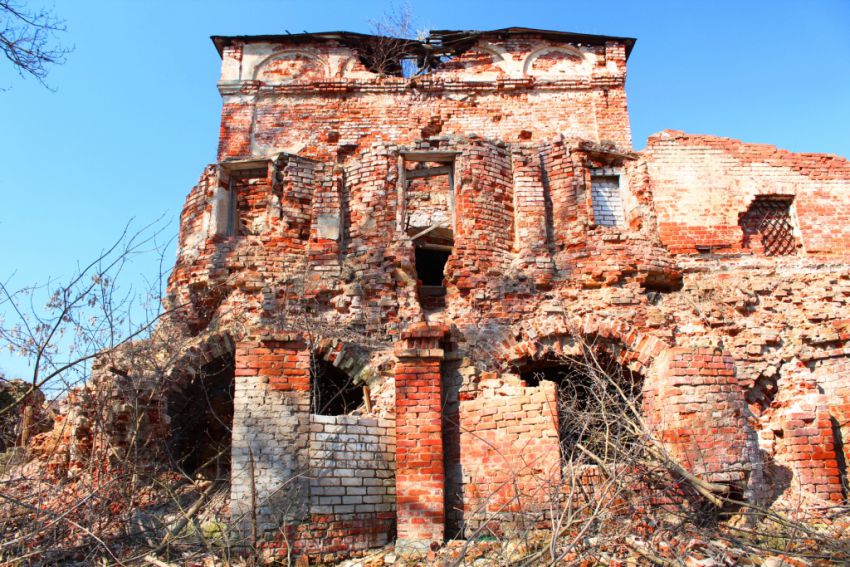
407	268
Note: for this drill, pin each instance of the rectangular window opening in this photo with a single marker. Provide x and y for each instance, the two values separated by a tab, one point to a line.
767	227
248	196
430	271
607	199
428	220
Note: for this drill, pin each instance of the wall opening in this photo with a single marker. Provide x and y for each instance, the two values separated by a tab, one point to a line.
427	191
767	226
658	283
332	390
430	271
201	417
249	194
594	394
607	198
430	265
452	382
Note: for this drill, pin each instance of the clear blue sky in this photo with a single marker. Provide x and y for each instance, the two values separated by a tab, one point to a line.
134	118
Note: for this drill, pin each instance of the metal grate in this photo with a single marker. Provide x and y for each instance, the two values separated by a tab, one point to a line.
768	222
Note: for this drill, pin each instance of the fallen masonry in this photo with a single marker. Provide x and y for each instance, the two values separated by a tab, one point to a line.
387	283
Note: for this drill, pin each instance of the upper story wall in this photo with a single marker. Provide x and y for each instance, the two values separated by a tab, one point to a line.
708	190
517	219
318	97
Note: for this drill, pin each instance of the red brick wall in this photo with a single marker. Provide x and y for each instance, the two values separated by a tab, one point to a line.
399	116
702	184
484	235
531	216
517	88
251	204
696	408
510	451
284	363
799	438
833	377
234	138
420	477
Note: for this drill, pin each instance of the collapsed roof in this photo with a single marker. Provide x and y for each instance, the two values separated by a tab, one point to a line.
437	43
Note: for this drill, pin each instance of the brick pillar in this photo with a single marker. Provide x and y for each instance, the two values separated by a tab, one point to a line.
420	475
696	407
802	437
271	432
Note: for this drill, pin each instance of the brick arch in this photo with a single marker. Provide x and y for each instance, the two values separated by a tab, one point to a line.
537	339
353	68
571	53
353	359
202	350
316	68
197	405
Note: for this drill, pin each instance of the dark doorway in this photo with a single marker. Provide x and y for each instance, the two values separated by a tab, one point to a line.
838	444
430	271
452	381
201	419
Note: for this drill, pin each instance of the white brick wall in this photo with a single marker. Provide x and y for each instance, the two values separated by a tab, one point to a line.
607	200
352	465
270	437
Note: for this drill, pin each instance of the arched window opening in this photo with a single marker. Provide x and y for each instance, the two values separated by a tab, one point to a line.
201	417
596	404
332	390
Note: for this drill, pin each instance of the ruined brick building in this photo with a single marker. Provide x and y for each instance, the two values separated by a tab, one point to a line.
383	260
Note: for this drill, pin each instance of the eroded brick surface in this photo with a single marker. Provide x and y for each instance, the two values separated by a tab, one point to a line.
298	243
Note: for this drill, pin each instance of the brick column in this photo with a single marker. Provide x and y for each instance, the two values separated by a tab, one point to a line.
271	431
696	407
801	435
420	475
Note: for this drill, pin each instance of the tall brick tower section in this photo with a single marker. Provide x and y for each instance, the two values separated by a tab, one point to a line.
388	258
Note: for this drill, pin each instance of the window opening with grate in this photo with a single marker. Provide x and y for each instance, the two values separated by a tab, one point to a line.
767	226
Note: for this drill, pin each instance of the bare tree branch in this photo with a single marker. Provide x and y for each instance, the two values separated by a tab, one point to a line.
29	39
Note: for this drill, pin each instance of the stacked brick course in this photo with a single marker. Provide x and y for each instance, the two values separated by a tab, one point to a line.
353	459
510	450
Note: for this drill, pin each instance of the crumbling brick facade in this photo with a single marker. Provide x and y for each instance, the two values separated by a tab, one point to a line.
432	236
